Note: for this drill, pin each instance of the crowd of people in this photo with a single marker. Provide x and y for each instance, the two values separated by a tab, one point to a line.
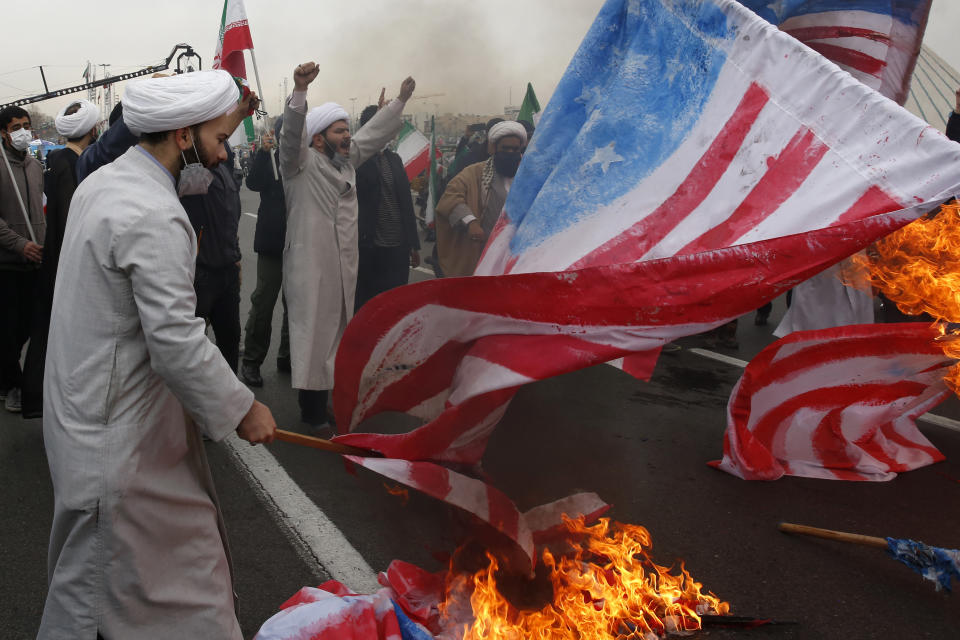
111	287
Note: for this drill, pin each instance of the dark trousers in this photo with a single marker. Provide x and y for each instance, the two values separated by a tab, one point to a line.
313	406
218	301
259	325
31	389
380	269
18	290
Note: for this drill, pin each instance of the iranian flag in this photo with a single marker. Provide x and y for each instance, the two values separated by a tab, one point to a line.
234	38
414	149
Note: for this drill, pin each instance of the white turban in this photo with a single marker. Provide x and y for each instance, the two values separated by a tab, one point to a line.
77	124
507	128
174	102
323	116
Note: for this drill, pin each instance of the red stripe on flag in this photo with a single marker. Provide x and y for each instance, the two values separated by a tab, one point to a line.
785	173
875	200
233	64
849	58
633	243
418	164
805	34
525	354
768	428
236	37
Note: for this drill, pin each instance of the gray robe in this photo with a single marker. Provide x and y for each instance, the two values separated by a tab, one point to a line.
320	255
137	548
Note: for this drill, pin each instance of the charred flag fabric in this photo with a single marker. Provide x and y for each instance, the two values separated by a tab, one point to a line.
693	163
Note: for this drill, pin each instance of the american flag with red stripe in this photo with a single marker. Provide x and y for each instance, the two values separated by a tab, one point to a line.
838	404
693	163
876	41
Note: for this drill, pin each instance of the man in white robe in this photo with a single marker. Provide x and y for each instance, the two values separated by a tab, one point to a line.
137	548
318	157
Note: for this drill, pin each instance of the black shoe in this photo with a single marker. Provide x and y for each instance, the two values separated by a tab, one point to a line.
283	365
250	375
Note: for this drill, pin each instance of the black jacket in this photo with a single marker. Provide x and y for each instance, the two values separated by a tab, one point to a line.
216	218
271	230
953	126
59	183
368	201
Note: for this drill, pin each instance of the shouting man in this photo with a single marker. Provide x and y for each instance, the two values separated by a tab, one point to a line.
137	547
318	157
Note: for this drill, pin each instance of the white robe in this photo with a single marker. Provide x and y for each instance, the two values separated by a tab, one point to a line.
825	301
320	253
137	548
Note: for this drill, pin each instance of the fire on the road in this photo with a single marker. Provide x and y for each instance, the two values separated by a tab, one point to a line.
604	586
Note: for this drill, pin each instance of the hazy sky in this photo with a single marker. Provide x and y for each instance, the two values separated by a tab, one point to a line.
474	52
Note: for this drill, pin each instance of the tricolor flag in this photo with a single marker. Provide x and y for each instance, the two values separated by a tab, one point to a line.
876	41
530	109
693	163
233	39
839	404
413	149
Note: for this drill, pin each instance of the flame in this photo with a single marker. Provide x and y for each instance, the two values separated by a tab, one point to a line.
397	490
607	588
918	268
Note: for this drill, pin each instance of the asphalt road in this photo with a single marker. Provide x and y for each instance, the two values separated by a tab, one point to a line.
643	447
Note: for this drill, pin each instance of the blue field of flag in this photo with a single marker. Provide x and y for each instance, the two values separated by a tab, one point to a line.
634	90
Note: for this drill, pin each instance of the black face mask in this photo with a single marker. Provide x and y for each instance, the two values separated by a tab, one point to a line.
507	162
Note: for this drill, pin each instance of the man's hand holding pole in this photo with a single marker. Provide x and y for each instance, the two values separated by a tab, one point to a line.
258	426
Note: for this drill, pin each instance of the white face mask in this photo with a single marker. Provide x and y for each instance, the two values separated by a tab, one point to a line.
195	178
20	139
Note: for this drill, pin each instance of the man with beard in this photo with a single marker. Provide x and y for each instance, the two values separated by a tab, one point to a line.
473	200
318	157
213	207
137	548
77	122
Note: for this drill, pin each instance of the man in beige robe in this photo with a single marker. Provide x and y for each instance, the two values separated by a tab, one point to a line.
137	548
472	202
318	157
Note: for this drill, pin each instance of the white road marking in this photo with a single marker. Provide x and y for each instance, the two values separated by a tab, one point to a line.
930	418
425	270
321	545
719	357
252	215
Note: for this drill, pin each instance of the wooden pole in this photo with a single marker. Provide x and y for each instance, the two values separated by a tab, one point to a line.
325	445
829	534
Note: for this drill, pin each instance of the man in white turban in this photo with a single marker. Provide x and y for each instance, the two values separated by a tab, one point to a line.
137	547
318	157
77	122
472	201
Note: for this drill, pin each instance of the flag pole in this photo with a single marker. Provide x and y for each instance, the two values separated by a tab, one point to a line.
16	190
256	74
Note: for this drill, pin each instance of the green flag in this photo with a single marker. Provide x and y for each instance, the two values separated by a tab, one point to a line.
530	109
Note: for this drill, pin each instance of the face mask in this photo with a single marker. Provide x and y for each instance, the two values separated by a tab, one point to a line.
507	162
195	178
20	139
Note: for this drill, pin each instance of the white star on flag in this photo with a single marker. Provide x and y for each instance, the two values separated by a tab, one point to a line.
605	156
